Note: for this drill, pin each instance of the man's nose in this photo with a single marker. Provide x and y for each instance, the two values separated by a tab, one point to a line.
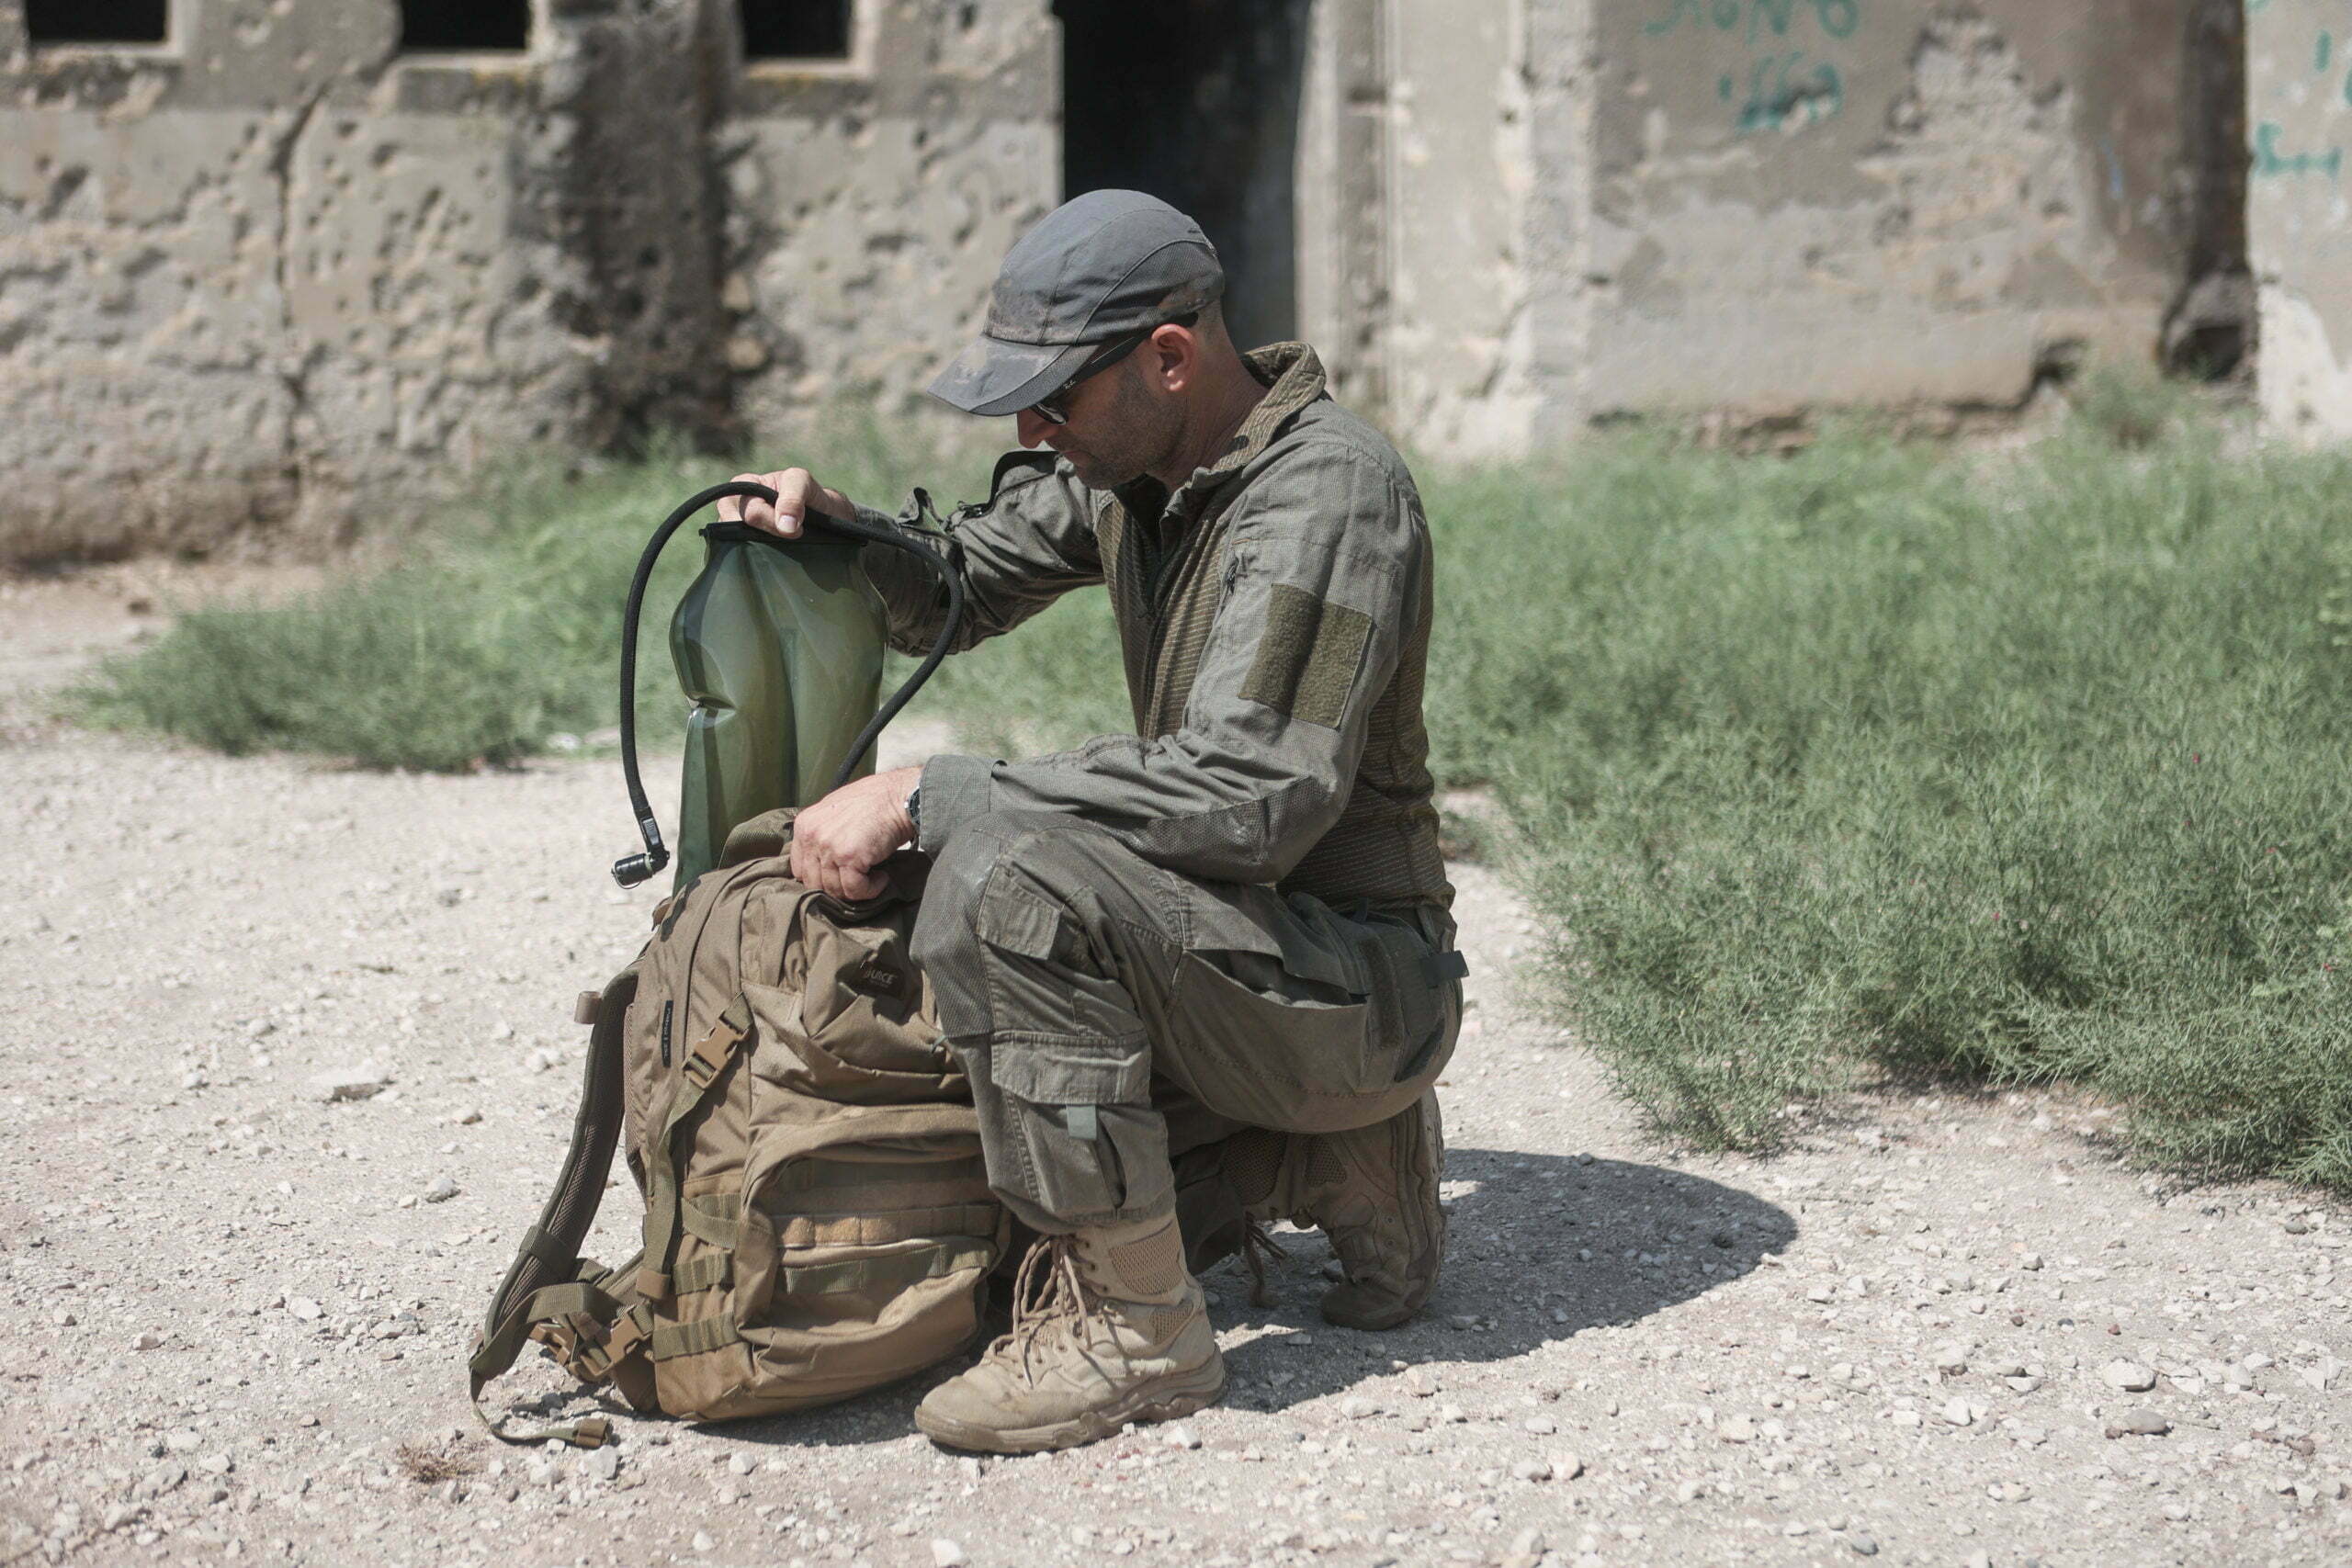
1031	426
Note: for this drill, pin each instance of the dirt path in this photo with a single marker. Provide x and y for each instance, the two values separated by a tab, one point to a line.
233	1305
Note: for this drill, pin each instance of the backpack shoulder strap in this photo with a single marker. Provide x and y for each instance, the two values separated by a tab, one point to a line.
543	1284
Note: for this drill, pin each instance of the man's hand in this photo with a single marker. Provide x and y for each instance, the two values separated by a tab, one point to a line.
796	494
837	842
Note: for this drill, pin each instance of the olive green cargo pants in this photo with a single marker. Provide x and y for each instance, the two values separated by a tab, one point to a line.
1109	1010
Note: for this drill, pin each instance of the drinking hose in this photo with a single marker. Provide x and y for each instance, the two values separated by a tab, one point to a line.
630	870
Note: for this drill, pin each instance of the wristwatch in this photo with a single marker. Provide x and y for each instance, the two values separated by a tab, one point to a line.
914	813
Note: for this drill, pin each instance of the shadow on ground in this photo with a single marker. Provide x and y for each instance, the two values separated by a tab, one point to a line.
1515	1281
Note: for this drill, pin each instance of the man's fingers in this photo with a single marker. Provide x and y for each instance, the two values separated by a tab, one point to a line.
793	490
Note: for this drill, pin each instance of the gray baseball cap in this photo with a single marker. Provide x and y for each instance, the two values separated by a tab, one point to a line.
1097	267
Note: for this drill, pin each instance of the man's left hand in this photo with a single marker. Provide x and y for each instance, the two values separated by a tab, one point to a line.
837	842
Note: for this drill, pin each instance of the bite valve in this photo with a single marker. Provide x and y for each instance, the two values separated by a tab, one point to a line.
630	870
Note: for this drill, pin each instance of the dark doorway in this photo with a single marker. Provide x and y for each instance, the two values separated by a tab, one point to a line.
94	21
470	25
2209	334
1196	101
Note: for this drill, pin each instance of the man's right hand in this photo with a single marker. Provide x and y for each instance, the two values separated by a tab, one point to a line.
797	494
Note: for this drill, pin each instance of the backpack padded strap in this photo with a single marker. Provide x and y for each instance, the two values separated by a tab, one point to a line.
550	1254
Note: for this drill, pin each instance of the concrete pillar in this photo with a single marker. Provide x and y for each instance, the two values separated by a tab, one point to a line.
1344	190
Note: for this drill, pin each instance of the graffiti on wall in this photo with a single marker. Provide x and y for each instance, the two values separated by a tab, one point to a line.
1789	81
2273	157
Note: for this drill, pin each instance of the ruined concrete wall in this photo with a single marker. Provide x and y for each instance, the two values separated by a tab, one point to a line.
2299	212
1877	201
1674	206
871	202
276	278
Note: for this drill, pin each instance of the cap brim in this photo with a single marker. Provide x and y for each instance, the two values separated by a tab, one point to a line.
992	376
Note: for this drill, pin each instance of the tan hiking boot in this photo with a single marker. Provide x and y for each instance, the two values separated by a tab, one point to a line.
1374	1193
1107	1328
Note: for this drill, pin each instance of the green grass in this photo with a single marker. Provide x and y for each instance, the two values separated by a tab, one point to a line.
1867	764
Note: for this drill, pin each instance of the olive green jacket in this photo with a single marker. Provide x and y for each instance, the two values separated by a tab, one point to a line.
1274	614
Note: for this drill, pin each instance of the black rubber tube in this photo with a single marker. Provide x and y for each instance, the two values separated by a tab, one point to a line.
630	870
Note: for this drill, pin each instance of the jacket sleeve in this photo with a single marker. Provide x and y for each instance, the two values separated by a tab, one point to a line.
1324	554
1030	542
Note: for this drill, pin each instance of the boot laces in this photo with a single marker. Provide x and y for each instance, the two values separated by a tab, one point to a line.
1257	1244
1049	1294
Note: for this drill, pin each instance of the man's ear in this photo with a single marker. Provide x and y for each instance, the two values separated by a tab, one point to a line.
1177	352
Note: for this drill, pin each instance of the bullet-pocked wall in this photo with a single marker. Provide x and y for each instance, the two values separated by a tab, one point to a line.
269	268
870	198
1667	206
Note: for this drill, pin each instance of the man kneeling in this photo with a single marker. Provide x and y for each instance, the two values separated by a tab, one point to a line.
1219	946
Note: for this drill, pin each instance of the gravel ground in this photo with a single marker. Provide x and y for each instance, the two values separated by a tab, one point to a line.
1947	1331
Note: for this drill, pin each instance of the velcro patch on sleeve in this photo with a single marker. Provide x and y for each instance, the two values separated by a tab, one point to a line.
1307	659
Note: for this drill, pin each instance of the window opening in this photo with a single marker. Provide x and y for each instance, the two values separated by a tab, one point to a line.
97	21
795	29
470	26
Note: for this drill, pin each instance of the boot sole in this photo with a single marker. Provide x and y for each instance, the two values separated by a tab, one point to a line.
1374	1322
1165	1399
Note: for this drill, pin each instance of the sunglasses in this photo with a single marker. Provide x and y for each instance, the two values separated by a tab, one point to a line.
1054	407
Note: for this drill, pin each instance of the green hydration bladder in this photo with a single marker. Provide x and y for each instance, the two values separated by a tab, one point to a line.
779	646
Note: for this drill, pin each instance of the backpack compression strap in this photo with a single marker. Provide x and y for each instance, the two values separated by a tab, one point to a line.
543	1284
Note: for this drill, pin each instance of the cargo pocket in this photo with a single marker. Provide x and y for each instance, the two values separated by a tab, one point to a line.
1088	1143
1260	1057
1410	1036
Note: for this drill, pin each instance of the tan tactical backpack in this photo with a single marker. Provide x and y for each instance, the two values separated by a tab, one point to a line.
818	1219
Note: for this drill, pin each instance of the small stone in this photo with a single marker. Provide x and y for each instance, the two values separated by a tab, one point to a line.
602	1463
1958	1414
2297	1226
1736	1429
1951	1360
1690	1491
2129	1376
2031	1260
466	1117
1532	1470
443	1188
362	1082
304	1308
1355	1407
1180	1435
702	1542
147	1342
1542	1426
2139	1422
945	1553
1452	1413
216	1464
1822	1293
1567	1466
1980	1559
1861	1545
62	1318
